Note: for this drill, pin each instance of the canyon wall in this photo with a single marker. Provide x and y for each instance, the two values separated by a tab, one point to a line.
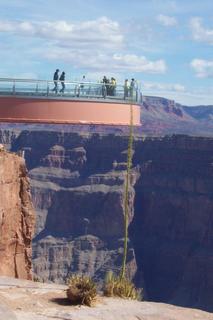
16	218
77	185
172	229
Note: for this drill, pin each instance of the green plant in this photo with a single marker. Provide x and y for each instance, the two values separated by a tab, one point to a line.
81	290
120	287
126	194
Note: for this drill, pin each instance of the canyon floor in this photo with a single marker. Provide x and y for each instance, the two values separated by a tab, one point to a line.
27	300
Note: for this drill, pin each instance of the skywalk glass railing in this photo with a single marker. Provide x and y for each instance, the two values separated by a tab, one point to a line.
71	90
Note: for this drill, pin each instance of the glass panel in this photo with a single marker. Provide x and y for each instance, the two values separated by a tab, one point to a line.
69	89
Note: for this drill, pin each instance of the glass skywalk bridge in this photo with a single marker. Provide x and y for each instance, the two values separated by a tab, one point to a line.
26	100
73	89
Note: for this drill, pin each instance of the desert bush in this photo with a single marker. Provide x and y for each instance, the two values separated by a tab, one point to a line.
81	290
37	279
116	286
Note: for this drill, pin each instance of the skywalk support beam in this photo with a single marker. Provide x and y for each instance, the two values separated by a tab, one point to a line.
64	111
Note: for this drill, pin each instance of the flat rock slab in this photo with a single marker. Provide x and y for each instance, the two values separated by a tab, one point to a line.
6	313
27	300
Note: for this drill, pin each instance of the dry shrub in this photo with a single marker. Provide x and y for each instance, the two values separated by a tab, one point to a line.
81	290
115	286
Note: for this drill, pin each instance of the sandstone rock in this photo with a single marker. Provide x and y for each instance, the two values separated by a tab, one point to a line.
6	313
16	218
36	301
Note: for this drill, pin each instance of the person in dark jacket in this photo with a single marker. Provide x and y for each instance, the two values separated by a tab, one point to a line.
126	89
55	79
104	87
132	87
62	79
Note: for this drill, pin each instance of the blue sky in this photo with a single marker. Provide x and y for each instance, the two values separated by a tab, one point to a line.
166	45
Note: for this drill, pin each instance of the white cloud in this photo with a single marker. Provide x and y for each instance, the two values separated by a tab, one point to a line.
6	26
95	45
203	68
102	32
136	63
167	21
111	62
173	87
200	33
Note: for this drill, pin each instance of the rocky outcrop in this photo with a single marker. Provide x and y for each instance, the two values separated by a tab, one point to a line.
16	218
37	301
8	136
77	187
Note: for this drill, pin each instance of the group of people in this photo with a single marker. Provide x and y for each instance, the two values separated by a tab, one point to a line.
108	85
130	88
61	78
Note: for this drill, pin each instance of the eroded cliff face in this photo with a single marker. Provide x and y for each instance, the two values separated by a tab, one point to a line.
16	218
77	187
172	229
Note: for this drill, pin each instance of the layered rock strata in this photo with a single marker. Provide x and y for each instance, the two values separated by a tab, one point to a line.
172	229
80	225
77	187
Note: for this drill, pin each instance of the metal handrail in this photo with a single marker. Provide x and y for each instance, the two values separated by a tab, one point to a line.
72	89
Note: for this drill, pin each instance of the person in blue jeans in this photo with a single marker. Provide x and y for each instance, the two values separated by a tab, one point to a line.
62	79
55	79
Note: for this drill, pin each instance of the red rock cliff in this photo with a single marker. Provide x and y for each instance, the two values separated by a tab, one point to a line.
16	218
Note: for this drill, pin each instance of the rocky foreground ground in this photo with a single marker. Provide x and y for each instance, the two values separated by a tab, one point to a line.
27	300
